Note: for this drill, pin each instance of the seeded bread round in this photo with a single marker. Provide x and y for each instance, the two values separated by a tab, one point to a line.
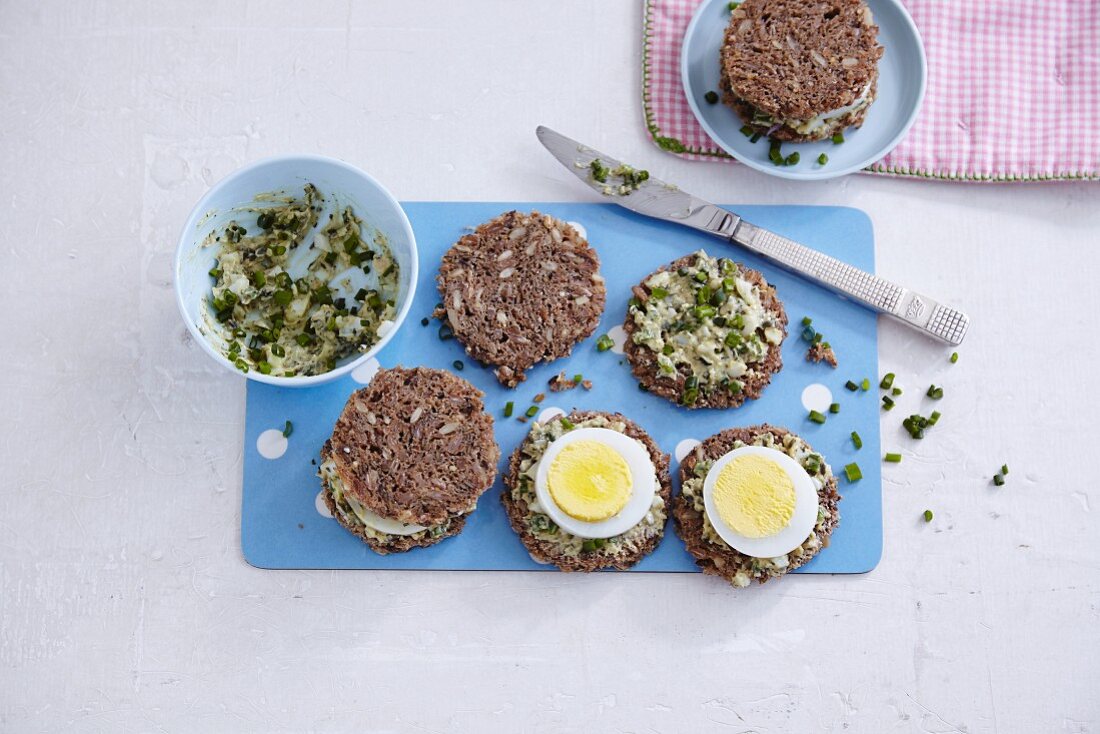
546	551
643	360
719	559
793	60
415	446
521	289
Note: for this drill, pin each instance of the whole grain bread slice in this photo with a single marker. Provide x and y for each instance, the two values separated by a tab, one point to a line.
548	552
643	360
519	290
415	445
722	560
792	59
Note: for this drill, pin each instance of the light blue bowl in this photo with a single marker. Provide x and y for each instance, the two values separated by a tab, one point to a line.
342	185
902	76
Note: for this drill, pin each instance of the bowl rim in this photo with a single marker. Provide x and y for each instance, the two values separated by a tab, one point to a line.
811	175
203	206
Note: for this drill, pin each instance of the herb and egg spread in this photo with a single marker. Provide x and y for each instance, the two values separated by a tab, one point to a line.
611	486
758	501
283	287
705	332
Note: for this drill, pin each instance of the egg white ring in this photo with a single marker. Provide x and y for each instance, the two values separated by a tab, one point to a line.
643	488
379	523
802	521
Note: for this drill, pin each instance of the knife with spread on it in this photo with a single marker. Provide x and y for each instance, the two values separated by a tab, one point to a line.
654	198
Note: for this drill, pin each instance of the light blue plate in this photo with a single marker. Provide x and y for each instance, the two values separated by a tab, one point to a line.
902	75
280	523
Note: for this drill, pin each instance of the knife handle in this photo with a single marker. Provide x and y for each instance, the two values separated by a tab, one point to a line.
911	308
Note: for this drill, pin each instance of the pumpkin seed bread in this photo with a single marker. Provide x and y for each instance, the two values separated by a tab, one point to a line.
711	553
519	290
414	447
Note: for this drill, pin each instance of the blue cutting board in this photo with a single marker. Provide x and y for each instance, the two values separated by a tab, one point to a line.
282	527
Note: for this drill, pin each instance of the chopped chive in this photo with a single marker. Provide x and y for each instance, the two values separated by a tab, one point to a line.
865	385
834	408
817	417
215	273
458	364
604	343
774	153
746	131
954	357
531	411
288	429
755	137
1004	469
896	391
806	321
808	334
887	381
567	424
658	293
446	332
508	409
578	377
424	321
853	472
928	516
934	418
792	159
852	387
733	6
934	392
264	368
999	480
838	138
856	440
887	402
822	159
711	97
893	458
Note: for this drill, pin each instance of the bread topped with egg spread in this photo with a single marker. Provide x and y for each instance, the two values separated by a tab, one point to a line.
408	458
587	491
800	71
755	503
519	290
705	332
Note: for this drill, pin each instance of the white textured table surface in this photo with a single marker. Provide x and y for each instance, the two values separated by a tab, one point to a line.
125	604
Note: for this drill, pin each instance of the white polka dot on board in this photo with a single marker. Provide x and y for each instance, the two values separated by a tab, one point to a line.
271	444
817	397
365	372
549	413
319	503
618	335
685	447
580	229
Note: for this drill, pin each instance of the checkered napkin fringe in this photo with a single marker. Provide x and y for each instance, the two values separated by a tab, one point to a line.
1013	91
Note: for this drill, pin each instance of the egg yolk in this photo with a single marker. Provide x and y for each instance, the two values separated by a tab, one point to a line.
589	481
754	496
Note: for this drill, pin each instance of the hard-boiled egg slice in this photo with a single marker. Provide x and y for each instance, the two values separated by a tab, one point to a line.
595	482
760	501
379	523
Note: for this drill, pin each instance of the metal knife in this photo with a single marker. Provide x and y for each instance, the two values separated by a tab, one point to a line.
658	199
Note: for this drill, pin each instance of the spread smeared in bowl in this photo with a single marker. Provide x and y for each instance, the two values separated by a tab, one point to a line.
284	293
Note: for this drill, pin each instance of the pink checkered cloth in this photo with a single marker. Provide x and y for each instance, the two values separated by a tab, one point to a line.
1013	90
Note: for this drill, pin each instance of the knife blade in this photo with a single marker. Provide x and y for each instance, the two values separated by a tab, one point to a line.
660	200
